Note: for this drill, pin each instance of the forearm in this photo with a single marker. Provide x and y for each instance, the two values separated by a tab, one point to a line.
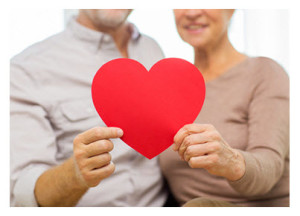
263	170
59	186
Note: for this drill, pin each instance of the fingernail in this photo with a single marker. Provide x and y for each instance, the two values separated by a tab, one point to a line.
120	132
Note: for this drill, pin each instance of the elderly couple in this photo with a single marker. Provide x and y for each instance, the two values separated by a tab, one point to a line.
236	153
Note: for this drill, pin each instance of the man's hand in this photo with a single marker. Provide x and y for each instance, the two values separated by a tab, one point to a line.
65	184
91	154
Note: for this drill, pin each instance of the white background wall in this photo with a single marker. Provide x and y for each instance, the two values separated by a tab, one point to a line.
254	32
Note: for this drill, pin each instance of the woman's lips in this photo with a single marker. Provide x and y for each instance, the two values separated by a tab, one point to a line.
195	28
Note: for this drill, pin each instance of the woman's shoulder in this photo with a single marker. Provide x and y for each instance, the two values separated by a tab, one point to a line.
266	74
266	67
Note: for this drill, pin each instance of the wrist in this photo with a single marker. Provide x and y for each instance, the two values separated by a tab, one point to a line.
74	178
238	167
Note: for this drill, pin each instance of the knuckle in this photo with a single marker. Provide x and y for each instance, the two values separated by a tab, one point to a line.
215	146
192	163
81	164
187	155
86	175
113	132
98	132
107	145
213	135
217	136
176	138
89	177
105	172
78	153
90	150
77	140
106	157
211	147
112	167
214	159
210	126
188	151
108	170
188	141
186	127
110	146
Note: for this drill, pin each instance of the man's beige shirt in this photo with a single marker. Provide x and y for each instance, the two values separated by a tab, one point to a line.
51	103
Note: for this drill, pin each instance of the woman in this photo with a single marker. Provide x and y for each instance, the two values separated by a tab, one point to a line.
237	151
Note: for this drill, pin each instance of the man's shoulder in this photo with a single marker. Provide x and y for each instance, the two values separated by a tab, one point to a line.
151	48
39	48
149	41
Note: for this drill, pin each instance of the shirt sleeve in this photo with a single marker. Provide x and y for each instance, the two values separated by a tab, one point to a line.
268	141
32	139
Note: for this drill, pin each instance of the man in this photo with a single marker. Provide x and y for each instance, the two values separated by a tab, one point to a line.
61	151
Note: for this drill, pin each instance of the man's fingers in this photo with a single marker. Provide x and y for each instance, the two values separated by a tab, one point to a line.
98	161
188	130
103	172
99	133
95	176
98	147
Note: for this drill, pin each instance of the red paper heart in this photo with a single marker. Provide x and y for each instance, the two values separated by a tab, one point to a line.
150	107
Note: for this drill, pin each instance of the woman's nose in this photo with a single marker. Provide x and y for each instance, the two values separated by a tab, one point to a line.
193	13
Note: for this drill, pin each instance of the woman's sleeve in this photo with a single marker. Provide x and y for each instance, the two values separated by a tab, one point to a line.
268	123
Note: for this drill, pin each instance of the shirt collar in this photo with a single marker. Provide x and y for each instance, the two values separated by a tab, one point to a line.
96	39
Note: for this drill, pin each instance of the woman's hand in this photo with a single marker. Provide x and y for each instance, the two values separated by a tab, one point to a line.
202	146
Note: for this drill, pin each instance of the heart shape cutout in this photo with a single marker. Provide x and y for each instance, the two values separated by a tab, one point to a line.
150	107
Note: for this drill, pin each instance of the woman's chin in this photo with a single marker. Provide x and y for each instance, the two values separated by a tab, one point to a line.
196	44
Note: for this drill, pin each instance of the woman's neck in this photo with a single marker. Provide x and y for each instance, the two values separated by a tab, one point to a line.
216	60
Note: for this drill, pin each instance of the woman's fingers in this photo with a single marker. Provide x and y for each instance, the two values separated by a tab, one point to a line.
205	161
198	138
188	130
200	150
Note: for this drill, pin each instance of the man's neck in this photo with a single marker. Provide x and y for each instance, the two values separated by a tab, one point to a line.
121	34
121	37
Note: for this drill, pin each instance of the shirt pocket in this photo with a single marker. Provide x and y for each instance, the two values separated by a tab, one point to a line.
77	110
76	114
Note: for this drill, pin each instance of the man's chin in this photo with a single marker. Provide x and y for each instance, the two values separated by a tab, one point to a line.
112	20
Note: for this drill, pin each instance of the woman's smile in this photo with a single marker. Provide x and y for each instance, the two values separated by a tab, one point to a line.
195	28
